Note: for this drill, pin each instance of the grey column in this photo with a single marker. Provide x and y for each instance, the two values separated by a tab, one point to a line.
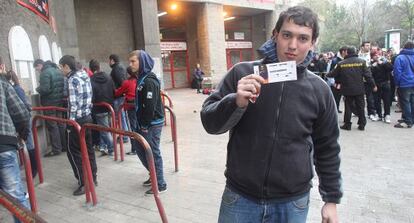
146	26
211	40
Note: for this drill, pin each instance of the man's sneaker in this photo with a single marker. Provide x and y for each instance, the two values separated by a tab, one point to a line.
346	127
402	125
79	191
387	119
160	191
374	118
361	127
147	183
400	120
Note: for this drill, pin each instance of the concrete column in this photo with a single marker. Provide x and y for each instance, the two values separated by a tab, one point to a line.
67	31
259	34
146	26
211	40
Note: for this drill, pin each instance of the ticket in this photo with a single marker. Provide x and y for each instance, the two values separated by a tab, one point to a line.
277	72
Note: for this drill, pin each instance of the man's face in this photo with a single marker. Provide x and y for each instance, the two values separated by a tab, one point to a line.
38	67
111	62
293	42
134	63
2	68
65	69
366	47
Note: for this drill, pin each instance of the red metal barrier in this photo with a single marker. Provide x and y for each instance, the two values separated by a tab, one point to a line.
119	126
86	166
113	125
23	154
49	108
150	159
174	135
20	212
170	104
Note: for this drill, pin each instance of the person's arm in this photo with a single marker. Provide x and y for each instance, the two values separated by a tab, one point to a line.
22	96
397	71
73	84
368	77
122	90
150	95
44	84
326	155
18	112
223	109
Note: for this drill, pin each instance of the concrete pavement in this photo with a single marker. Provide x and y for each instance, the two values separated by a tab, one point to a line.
377	168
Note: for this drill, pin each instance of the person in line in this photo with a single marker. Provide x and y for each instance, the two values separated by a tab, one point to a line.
198	77
103	89
80	106
51	91
277	131
149	112
15	118
127	90
11	76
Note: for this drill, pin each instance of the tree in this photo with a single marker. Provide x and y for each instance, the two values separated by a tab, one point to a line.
406	7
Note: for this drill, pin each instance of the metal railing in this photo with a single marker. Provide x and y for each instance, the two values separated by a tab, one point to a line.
18	210
174	135
24	156
90	187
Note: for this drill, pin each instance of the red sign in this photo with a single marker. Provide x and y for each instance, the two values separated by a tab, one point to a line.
40	7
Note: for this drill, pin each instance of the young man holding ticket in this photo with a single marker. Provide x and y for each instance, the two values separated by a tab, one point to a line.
279	127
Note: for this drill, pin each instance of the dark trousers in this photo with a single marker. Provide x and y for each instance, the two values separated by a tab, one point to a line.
337	96
370	99
383	94
95	134
153	138
355	104
133	124
198	82
74	153
57	132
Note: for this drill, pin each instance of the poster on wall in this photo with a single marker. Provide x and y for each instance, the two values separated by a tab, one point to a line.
40	7
395	41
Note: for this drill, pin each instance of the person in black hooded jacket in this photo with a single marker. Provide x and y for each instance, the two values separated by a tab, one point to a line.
149	112
103	91
278	131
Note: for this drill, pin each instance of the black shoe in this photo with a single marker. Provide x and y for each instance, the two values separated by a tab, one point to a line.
79	191
160	191
51	153
403	125
361	127
339	111
346	127
131	153
147	183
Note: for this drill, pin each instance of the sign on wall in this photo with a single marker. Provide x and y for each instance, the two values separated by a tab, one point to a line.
239	45
40	7
173	46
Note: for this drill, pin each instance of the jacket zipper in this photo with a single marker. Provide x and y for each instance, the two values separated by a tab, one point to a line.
275	136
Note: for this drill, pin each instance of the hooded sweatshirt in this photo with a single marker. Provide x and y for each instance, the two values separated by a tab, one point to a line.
148	104
80	95
404	69
103	91
275	141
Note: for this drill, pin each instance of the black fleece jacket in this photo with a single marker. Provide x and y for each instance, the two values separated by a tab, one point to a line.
275	142
103	91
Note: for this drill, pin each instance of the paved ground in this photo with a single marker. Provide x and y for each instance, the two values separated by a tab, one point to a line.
377	167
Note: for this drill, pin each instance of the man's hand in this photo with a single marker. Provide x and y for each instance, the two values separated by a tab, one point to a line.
144	130
375	89
329	214
2	68
248	88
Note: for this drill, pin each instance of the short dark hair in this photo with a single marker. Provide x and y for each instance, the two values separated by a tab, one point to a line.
94	65
351	50
365	42
37	62
342	49
301	16
11	75
409	45
68	60
114	57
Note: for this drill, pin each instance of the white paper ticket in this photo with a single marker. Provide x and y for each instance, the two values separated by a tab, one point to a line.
277	72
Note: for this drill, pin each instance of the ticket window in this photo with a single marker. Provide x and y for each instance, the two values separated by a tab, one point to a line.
175	69
235	56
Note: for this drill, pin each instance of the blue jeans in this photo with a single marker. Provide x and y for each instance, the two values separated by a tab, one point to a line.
118	102
10	181
134	127
235	208
105	138
407	104
153	138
